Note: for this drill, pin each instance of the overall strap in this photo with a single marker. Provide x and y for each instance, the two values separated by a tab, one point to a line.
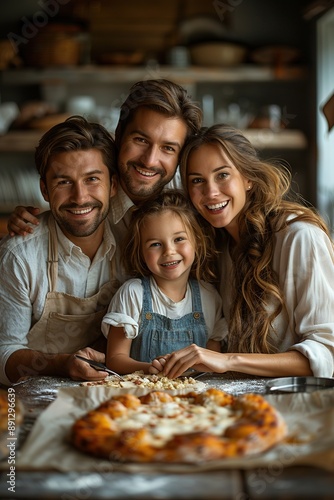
196	295
147	299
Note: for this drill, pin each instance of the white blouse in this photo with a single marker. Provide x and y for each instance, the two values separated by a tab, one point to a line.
304	262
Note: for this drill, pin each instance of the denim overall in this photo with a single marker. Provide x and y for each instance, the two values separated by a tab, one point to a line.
159	335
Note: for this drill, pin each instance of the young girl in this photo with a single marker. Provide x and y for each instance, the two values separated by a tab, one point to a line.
168	306
277	263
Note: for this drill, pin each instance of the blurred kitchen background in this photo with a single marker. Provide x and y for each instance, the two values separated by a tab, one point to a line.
265	66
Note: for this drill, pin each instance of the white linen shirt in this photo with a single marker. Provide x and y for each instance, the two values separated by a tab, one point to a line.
24	280
120	215
304	262
126	306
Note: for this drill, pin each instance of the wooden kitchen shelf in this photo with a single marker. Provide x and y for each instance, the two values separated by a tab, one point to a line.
25	141
282	139
21	141
124	74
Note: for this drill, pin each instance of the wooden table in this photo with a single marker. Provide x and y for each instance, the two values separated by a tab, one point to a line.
276	481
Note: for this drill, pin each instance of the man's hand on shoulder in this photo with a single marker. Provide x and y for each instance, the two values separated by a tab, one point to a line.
19	219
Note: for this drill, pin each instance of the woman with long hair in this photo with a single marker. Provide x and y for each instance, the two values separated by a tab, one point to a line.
276	262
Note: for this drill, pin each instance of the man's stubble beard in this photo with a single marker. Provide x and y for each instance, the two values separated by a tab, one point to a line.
80	229
140	189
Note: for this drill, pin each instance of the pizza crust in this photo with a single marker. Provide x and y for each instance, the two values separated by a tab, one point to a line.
188	428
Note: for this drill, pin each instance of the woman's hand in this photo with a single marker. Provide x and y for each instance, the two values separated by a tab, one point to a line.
18	220
196	357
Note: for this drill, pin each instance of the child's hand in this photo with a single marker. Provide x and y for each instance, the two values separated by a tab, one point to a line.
157	365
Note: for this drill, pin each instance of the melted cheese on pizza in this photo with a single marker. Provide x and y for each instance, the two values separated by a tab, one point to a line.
177	417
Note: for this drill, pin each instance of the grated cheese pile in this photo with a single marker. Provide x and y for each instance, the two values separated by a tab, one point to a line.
139	379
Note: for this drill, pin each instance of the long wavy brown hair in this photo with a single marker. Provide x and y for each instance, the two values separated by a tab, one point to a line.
268	206
174	201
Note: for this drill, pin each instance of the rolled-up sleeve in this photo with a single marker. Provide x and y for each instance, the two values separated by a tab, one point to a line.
121	321
124	309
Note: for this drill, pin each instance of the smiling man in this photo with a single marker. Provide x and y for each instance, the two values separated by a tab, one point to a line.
57	282
149	152
155	121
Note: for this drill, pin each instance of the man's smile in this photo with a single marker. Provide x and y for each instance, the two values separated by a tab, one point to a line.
81	211
146	173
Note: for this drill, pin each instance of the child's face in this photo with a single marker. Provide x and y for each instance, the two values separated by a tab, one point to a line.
166	246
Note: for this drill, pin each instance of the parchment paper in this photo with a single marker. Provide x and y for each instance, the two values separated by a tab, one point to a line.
310	420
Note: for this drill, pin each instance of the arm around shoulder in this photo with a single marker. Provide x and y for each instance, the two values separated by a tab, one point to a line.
18	220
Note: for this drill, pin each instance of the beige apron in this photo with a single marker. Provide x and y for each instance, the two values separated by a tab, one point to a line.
68	323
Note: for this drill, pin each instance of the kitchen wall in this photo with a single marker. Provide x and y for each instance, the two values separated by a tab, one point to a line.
325	130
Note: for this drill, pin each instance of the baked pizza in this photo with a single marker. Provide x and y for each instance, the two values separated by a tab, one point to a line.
188	428
155	382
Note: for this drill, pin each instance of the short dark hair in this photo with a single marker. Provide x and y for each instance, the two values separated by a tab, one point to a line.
75	134
162	96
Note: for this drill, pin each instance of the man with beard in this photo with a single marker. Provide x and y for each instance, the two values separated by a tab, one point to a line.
57	282
155	120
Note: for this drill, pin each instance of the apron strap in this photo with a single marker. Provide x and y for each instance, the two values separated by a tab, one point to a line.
52	255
